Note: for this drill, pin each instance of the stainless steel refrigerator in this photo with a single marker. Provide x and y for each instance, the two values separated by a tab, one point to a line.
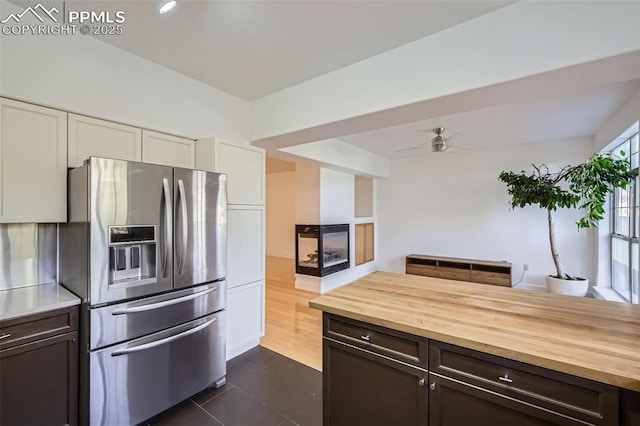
145	249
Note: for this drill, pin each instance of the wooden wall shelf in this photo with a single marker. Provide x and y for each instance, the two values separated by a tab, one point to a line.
452	268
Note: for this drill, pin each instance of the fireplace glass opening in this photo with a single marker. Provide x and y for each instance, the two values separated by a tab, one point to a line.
322	249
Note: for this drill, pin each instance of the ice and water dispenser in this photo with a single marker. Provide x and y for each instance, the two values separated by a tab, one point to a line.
132	255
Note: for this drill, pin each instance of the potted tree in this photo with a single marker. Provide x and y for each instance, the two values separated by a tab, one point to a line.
585	186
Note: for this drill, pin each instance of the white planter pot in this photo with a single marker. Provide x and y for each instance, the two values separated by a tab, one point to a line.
569	287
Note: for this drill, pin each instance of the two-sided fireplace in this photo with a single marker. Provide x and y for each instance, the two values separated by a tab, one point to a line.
322	249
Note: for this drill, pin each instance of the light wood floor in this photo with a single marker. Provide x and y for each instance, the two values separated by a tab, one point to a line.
292	328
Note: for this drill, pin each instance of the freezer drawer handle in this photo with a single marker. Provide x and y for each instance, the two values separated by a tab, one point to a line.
162	304
161	342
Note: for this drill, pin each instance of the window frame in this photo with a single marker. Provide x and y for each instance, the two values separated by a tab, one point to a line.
632	227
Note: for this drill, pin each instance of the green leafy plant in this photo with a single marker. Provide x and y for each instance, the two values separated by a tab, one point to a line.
585	186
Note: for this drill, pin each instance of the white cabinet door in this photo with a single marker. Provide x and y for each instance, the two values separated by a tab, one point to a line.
245	317
90	137
245	245
244	166
159	148
33	163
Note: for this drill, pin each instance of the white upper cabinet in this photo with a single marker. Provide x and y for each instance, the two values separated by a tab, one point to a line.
33	163
160	148
90	137
243	164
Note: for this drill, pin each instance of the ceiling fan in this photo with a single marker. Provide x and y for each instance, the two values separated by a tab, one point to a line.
438	143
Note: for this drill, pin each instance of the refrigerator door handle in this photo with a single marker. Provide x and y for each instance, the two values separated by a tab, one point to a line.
185	229
158	305
160	342
168	232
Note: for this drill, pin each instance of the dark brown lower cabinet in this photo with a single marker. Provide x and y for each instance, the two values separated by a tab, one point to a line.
455	403
377	376
363	388
39	379
629	408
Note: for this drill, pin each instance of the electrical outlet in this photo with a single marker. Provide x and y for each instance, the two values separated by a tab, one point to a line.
525	267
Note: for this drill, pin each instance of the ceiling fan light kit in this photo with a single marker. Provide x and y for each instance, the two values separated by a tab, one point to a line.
440	143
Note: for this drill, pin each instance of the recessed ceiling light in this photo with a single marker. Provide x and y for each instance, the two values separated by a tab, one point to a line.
167	7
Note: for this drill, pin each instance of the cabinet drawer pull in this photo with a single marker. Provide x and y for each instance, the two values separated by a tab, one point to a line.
505	378
365	337
5	336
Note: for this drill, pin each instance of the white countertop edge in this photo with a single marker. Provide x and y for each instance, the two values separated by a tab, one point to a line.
19	302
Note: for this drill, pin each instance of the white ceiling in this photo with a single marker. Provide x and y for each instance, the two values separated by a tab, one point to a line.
253	48
565	117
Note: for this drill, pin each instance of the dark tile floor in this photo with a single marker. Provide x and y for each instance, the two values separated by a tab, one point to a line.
263	388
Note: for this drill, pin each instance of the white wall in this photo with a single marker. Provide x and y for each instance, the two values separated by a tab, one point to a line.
85	75
620	122
323	196
363	197
307	195
453	204
337	194
281	214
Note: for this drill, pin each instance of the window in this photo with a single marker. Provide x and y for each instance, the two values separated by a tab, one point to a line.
625	227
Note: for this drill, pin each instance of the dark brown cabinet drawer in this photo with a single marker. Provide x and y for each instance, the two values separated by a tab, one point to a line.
455	403
401	346
27	329
583	399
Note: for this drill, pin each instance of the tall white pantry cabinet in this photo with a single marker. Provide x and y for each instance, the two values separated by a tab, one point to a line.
245	169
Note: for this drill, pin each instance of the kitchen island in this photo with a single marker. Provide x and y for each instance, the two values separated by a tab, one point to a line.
555	359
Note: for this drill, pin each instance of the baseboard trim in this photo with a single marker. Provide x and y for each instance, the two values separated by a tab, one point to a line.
531	286
241	348
307	283
283	255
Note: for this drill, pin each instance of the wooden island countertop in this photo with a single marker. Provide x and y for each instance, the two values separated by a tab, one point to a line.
589	338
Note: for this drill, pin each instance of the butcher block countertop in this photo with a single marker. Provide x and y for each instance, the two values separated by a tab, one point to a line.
589	338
